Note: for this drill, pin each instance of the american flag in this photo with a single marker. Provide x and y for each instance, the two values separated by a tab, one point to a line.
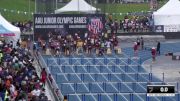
95	25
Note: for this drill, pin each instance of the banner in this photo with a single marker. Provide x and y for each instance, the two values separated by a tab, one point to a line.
159	28
171	28
67	24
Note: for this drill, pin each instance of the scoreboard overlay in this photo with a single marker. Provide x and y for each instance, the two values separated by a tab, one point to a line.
160	90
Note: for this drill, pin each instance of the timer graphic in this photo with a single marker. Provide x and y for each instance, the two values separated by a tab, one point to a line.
160	90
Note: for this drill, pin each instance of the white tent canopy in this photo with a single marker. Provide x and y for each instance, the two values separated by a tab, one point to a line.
169	14
77	6
11	28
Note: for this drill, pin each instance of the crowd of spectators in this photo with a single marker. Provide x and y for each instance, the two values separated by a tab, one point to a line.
26	26
18	78
130	24
100	44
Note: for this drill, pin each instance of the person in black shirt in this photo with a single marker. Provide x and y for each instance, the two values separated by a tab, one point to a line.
18	43
158	48
142	43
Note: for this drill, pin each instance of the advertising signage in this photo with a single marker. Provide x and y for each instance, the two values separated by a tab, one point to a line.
67	24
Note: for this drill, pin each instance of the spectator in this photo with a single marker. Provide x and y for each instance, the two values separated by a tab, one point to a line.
50	78
18	43
120	25
116	25
25	26
134	24
36	92
44	46
43	76
102	48
11	44
1	56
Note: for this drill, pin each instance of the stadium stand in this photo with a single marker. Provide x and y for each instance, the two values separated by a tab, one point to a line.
18	76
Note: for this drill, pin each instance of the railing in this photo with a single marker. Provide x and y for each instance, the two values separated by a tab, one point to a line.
53	86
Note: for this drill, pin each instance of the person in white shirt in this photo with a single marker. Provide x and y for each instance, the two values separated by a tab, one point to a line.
36	92
12	89
92	41
85	35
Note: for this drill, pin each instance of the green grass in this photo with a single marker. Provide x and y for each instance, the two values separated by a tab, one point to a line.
23	5
16	5
123	8
116	9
